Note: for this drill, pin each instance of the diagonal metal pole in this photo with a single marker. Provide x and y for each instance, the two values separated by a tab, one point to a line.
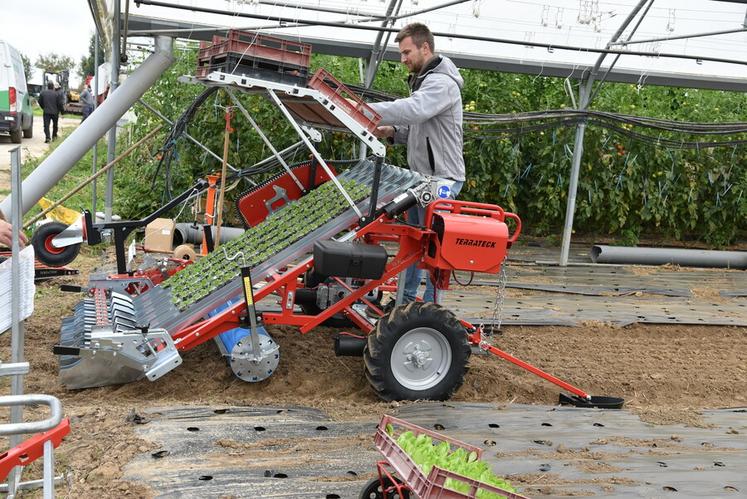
377	54
585	88
264	138
112	143
313	150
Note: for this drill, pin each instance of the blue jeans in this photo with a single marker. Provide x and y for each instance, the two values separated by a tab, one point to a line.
413	275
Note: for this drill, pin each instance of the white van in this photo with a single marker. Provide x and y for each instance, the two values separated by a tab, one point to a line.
15	107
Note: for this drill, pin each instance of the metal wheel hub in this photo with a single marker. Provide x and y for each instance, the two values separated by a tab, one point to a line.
421	358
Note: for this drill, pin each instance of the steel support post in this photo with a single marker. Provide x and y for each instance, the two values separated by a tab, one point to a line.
94	164
17	330
584	92
377	54
113	82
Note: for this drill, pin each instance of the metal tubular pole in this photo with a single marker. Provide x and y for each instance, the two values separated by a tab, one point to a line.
94	164
374	60
48	470
64	157
570	207
680	37
264	138
189	137
112	144
314	152
584	91
17	332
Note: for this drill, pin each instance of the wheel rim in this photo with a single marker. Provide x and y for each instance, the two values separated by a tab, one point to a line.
421	358
50	248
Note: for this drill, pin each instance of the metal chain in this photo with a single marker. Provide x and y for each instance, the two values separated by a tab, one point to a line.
500	297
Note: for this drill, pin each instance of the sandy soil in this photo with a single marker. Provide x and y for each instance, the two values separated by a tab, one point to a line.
665	373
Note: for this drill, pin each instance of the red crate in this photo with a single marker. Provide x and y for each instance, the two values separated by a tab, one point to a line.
266	47
433	485
343	97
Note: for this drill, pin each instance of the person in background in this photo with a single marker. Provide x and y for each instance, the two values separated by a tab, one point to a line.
86	98
52	102
429	121
6	235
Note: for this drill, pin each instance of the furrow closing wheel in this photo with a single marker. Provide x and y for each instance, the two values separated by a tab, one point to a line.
44	249
418	351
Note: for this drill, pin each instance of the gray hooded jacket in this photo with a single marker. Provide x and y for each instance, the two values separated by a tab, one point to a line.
430	120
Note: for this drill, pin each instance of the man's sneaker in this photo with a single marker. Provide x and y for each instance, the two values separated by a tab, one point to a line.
46	141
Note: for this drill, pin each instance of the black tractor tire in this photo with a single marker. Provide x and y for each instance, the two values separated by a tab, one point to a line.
15	136
28	133
48	254
372	490
418	351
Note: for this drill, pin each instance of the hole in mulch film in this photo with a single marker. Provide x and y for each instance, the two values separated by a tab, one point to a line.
259	428
279	475
193	428
321	428
159	454
205	478
439	426
494	425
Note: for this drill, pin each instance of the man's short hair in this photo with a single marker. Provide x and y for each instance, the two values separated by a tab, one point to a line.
419	34
50	85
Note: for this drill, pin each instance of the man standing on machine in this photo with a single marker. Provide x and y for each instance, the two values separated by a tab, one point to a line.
429	121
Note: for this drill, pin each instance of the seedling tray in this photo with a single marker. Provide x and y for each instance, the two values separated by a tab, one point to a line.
431	486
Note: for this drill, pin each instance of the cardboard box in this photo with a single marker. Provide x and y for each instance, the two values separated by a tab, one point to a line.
159	235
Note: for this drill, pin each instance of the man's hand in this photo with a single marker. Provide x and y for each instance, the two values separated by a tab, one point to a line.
6	235
384	132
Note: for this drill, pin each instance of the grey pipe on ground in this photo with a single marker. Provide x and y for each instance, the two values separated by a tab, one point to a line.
662	256
192	234
69	152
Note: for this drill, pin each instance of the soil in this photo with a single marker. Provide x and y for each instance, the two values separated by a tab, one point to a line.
666	374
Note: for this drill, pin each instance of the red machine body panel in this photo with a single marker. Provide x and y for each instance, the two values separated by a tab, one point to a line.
468	236
259	202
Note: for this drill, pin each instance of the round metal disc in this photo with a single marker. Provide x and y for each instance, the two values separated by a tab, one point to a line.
421	358
247	369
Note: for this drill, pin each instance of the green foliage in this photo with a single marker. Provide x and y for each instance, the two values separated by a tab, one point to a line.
55	63
626	189
26	66
88	62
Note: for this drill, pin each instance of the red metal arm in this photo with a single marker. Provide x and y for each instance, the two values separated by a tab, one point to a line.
476	339
32	449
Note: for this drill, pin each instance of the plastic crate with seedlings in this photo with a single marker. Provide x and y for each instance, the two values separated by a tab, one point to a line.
258	243
255	55
434	465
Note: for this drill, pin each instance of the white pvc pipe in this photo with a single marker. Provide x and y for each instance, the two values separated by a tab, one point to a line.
62	159
662	256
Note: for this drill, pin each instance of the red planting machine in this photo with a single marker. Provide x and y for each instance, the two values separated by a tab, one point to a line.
320	248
